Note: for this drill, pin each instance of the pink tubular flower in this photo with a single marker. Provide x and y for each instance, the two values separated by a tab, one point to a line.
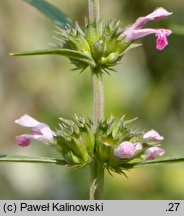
39	131
153	135
126	149
137	31
153	152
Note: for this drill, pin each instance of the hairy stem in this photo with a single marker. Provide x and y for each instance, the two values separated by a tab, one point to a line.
98	99
97	167
94	11
97	180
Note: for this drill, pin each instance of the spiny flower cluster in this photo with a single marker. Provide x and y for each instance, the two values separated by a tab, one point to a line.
115	143
103	44
119	144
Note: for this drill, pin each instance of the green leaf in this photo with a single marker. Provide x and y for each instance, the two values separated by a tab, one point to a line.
39	160
161	161
51	12
64	52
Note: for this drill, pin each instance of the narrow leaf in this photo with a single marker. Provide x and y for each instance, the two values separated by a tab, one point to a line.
51	12
26	159
161	161
64	52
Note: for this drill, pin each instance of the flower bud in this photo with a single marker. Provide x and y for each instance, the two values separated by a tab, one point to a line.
71	158
127	150
93	33
152	152
110	59
104	149
75	140
153	135
98	49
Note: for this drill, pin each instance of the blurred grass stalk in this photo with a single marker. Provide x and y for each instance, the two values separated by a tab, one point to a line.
177	29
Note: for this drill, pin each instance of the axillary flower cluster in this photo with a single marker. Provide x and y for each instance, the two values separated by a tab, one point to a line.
116	143
104	44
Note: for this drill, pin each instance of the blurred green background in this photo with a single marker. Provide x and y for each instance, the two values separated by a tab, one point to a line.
148	84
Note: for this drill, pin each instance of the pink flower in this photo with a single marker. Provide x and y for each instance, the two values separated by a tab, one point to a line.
39	131
153	135
153	152
126	149
135	31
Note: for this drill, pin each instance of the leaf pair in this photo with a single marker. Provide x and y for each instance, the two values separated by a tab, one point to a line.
48	160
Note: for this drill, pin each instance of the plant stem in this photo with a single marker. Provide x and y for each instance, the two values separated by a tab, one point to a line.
94	11
98	98
97	167
97	180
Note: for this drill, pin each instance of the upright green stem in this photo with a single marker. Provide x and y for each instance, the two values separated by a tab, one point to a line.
94	11
98	98
97	180
97	167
